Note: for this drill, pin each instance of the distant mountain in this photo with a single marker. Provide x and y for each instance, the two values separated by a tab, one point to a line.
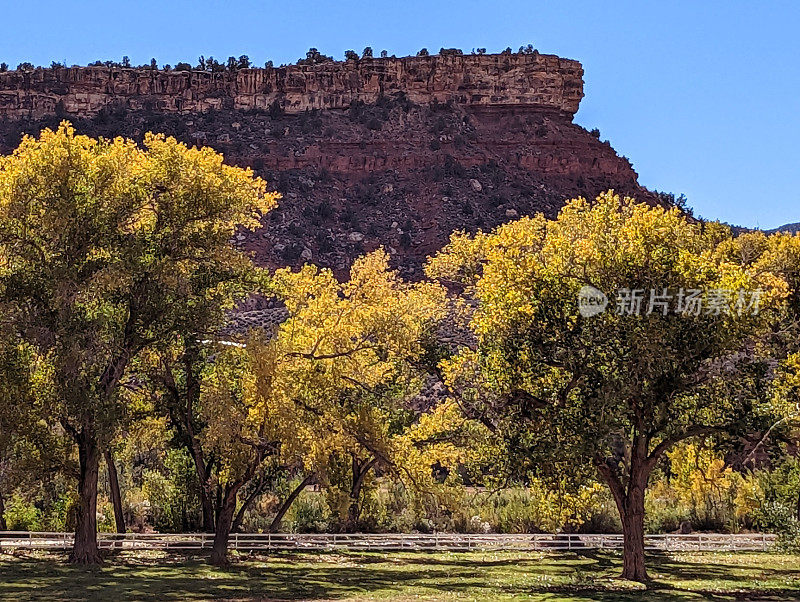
791	228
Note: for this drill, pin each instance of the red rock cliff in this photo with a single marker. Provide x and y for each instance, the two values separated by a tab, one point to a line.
540	81
392	152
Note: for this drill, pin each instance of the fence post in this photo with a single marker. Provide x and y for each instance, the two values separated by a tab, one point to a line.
569	541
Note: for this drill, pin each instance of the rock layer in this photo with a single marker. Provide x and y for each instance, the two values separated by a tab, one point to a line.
544	82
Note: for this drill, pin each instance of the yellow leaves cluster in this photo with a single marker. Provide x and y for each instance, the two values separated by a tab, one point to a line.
433	440
87	218
702	486
698	472
532	268
786	388
559	508
357	334
611	243
60	181
334	375
200	187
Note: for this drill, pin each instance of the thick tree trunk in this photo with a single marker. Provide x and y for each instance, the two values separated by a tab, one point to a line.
116	494
85	549
208	514
287	503
219	553
633	565
630	504
3	524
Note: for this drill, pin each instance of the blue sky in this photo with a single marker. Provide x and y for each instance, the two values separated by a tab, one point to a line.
703	96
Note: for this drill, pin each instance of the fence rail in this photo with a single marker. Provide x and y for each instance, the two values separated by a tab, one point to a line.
284	542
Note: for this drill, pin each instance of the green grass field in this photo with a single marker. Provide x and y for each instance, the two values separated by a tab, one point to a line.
402	576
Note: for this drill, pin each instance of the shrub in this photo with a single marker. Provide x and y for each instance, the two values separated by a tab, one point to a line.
22	515
309	514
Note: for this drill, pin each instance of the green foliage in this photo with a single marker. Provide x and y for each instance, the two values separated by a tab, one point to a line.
778	510
309	514
22	515
171	493
614	391
314	57
533	509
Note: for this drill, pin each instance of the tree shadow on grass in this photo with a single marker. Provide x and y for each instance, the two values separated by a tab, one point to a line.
193	579
584	576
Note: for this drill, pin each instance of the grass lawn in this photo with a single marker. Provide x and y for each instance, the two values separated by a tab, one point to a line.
402	576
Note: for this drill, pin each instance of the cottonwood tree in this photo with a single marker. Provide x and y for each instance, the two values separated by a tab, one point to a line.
313	388
610	392
779	255
177	378
237	430
350	352
242	430
102	241
171	371
29	448
202	383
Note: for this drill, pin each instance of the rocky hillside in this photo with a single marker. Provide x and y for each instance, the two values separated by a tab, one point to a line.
789	228
393	152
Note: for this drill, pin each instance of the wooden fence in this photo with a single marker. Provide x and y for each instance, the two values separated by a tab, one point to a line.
384	542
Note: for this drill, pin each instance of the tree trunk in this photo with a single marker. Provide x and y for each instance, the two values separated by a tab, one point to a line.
3	524
219	553
116	494
208	513
360	470
633	565
239	519
797	509
630	504
287	503
217	504
85	549
206	503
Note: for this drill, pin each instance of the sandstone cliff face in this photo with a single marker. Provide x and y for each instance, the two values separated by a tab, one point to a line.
391	152
545	82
